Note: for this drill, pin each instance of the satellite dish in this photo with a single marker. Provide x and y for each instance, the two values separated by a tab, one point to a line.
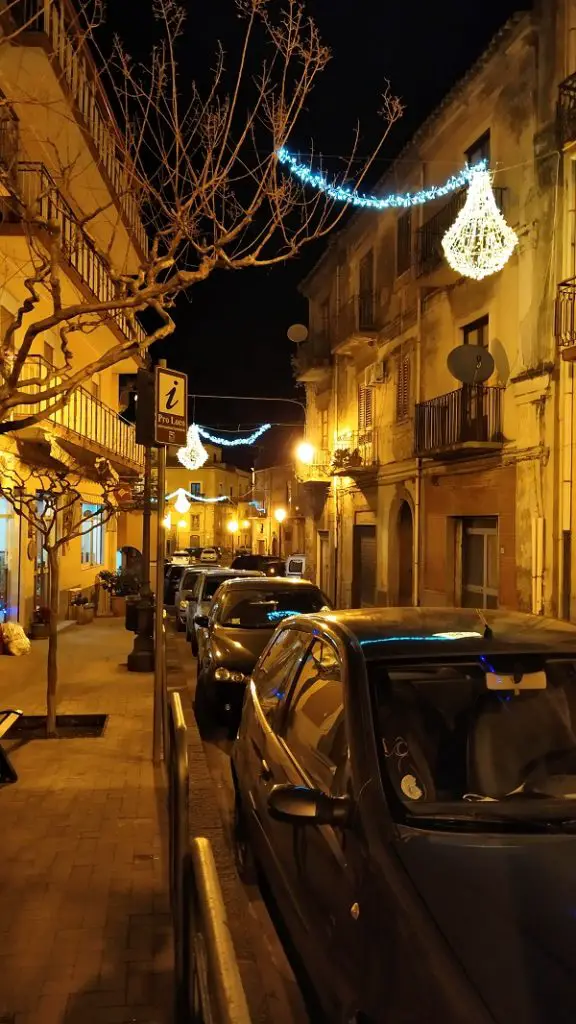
297	333
470	364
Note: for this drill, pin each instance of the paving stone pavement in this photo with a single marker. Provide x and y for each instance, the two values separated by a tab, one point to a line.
85	932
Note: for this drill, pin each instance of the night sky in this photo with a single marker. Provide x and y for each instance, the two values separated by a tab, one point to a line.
231	335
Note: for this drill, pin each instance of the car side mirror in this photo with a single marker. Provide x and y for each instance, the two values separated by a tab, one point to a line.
202	621
299	805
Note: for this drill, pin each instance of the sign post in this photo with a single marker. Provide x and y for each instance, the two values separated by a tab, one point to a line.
170	427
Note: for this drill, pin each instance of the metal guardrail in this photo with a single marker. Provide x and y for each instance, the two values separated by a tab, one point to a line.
209	988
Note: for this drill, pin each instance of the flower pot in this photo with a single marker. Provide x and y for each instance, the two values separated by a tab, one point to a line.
39	631
118	606
85	614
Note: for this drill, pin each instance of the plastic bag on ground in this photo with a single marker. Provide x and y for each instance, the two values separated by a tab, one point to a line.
14	639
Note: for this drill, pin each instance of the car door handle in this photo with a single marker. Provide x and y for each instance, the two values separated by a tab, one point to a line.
265	772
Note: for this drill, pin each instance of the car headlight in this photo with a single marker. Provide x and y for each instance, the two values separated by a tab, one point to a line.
225	675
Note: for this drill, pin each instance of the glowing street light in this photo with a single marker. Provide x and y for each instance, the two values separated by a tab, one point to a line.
280	515
245	524
305	453
167	521
182	524
232	526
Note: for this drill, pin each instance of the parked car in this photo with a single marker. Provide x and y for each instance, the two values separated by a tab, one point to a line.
204	589
406	780
172	576
242	618
210	555
268	564
183	594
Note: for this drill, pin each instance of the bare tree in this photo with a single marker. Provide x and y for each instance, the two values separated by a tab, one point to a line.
49	499
202	170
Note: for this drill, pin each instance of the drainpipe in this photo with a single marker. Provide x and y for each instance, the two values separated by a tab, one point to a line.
537	565
335	479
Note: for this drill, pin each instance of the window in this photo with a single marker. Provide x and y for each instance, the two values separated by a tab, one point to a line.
278	668
366	291
480	562
403	387
403	242
315	729
264	608
194	524
324	429
476	333
479	150
195	541
92	538
365	409
49	353
196	488
220	489
95	387
325	317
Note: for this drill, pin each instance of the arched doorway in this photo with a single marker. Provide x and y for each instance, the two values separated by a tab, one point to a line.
405	554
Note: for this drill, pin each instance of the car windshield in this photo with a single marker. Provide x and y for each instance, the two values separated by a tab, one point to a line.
211	584
478	738
245	562
189	580
264	609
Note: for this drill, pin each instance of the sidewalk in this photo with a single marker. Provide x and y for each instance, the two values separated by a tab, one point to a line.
85	933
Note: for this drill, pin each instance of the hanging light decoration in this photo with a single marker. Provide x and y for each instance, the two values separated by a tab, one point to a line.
194	454
235	441
181	504
479	242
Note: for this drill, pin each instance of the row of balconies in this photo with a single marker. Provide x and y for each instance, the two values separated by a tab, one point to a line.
55	23
30	186
463	422
85	423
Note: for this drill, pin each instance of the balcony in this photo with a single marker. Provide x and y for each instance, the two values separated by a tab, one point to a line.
357	321
355	454
566	113
430	259
463	422
85	423
313	362
565	318
55	25
36	191
8	153
319	472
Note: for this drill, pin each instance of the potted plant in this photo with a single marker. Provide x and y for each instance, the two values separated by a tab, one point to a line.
85	610
119	585
40	626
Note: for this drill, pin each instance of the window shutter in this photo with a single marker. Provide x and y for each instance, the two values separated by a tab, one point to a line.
403	387
361	407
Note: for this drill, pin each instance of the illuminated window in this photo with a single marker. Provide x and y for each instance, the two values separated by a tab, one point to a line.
92	537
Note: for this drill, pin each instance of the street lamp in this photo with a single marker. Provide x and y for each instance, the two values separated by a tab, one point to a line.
279	516
305	453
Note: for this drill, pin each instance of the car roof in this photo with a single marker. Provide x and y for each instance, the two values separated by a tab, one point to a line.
270	583
215	570
397	632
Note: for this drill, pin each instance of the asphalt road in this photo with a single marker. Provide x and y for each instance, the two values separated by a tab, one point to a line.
277	973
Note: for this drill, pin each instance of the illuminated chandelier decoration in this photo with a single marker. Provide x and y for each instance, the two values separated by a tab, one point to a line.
194	454
479	242
182	505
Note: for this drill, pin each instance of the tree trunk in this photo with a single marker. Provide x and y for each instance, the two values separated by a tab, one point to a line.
52	677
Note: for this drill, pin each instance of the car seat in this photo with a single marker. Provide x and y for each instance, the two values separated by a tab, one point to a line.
510	735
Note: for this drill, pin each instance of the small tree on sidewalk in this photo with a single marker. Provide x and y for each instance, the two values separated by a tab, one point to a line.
49	499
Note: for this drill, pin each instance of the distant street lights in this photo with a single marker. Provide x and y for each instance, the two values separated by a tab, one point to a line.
280	516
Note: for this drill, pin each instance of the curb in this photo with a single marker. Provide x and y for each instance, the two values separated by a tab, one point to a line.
206	820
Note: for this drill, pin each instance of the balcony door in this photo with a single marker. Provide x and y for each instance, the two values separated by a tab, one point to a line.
480	562
366	292
364	577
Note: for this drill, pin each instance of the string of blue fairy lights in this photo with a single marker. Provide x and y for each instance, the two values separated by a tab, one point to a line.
236	441
344	194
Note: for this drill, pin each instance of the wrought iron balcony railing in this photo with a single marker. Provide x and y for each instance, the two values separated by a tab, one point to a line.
355	453
429	252
566	111
319	471
84	416
8	153
565	314
357	316
313	356
58	21
468	417
38	193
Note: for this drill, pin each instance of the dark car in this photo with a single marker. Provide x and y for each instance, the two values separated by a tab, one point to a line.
406	779
268	564
243	617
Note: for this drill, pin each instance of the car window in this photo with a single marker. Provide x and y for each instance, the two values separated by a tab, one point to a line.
188	580
264	607
315	729
211	586
278	667
198	586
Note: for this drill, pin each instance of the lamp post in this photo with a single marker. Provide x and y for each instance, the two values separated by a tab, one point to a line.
280	516
232	527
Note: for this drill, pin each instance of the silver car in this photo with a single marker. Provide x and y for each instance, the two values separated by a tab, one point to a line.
183	594
206	585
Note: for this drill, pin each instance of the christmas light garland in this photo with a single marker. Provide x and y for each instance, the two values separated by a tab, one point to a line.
196	497
227	443
344	194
